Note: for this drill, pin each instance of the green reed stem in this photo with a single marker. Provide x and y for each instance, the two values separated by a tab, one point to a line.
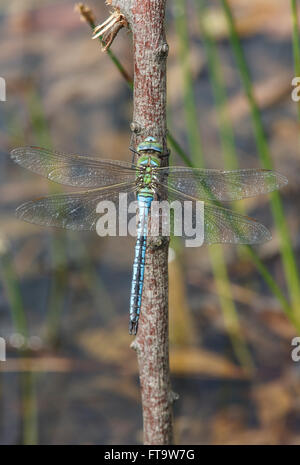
29	408
175	145
288	259
59	242
13	292
29	417
58	287
230	314
228	141
216	253
273	286
111	55
94	283
58	238
27	382
219	91
190	110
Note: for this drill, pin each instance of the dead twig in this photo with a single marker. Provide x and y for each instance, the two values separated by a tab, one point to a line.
109	29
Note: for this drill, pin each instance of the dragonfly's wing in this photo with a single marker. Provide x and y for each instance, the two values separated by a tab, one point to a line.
206	184
76	211
226	226
74	170
222	225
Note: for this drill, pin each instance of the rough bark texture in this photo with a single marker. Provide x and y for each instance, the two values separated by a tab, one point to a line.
146	20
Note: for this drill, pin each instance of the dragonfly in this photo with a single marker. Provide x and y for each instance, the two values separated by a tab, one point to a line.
144	181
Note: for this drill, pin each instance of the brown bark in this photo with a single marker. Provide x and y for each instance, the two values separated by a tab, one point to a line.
146	21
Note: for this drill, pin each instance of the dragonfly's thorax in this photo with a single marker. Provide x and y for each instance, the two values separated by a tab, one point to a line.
147	173
147	166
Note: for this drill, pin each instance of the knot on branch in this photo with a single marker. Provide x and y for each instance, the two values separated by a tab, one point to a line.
135	346
162	51
173	396
157	242
108	30
135	127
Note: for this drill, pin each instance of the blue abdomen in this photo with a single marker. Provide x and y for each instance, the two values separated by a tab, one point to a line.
144	204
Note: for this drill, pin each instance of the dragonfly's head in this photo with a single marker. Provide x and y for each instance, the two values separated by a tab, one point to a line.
148	149
150	144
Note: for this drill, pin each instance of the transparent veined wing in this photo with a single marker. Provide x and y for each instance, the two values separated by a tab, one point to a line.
222	225
209	184
73	170
75	211
226	226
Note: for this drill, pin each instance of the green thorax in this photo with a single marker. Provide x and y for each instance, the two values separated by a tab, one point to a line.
146	164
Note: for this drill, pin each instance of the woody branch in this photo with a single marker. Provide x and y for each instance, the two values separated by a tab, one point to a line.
146	21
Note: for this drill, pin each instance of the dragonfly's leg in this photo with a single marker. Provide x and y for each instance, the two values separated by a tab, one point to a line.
134	153
165	155
132	160
133	327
